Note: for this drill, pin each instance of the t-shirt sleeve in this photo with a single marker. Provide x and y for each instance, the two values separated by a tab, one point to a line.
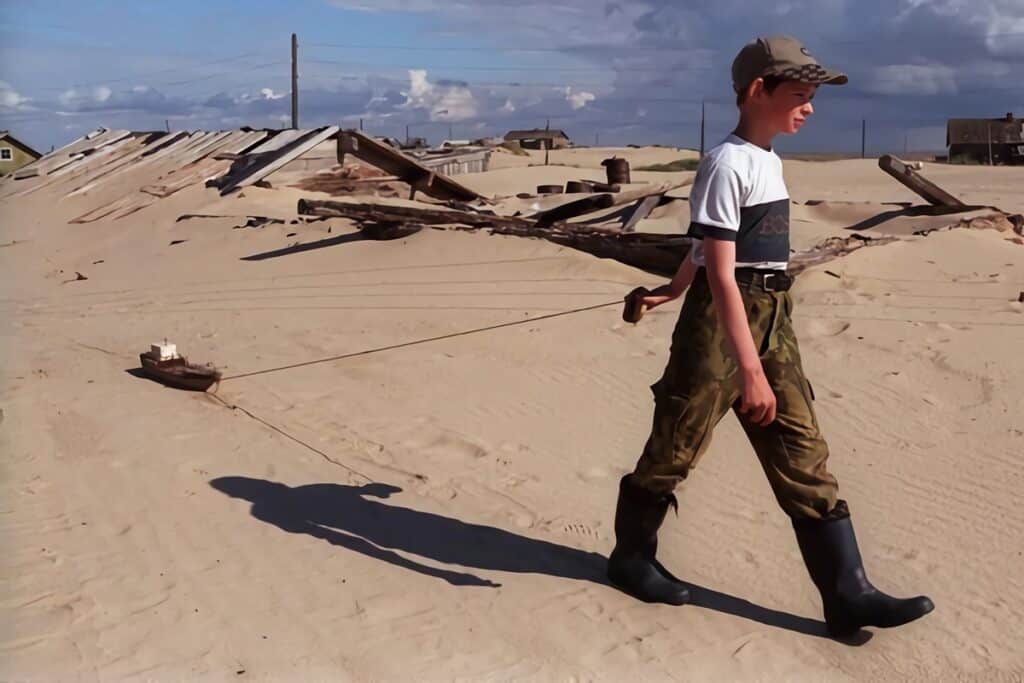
715	202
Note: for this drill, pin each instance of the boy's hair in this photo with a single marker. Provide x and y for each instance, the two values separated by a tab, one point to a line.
770	84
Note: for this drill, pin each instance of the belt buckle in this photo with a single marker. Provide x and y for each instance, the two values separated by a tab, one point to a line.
766	281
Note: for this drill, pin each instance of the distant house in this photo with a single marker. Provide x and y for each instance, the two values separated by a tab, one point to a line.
539	138
972	140
14	153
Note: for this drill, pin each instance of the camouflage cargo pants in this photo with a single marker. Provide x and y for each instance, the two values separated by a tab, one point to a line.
701	383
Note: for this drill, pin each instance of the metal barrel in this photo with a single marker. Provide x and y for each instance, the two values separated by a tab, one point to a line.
617	170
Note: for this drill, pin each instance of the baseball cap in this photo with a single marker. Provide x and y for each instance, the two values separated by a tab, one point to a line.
780	56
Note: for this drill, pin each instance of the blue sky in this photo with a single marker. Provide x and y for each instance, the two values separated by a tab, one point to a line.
621	72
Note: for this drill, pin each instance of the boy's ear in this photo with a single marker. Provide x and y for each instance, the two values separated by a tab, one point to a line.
756	87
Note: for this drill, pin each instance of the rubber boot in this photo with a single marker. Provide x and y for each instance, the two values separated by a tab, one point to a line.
829	549
632	566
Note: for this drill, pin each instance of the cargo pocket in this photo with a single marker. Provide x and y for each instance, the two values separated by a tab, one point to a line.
694	422
808	392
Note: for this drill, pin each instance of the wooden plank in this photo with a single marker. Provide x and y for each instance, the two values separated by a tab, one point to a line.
388	213
256	166
99	158
642	211
599	202
396	163
282	139
916	182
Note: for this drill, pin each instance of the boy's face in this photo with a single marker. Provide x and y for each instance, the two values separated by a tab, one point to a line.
786	108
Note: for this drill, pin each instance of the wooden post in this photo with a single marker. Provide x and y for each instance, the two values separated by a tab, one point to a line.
863	138
914	181
295	81
547	143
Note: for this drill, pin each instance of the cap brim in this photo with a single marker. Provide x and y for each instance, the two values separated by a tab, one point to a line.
813	74
832	78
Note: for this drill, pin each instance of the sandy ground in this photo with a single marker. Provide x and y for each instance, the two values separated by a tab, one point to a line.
442	511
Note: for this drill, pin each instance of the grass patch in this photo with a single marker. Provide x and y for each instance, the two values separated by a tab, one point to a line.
673	166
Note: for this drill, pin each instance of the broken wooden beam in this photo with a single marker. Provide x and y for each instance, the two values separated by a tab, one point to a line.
577	207
396	163
910	178
600	202
382	213
643	210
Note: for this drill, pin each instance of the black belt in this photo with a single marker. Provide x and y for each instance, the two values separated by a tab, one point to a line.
768	280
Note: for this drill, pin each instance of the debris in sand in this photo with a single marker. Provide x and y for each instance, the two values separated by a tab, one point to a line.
250	221
916	182
831	249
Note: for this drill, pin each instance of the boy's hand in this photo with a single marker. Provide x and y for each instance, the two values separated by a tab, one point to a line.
757	402
641	299
635	305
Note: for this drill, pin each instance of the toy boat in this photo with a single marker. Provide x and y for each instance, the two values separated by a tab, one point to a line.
163	364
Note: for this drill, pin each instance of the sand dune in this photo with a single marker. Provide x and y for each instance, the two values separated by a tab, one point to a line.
443	510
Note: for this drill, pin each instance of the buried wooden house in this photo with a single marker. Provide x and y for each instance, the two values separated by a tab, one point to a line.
986	141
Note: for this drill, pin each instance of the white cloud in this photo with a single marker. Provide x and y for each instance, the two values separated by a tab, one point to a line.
269	94
508	107
11	99
75	97
450	102
578	100
912	79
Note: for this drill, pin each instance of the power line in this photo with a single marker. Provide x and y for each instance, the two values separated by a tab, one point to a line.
580	48
470	67
255	67
153	73
498	48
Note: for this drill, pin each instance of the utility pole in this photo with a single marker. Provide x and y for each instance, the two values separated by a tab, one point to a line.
167	125
597	139
295	81
863	138
702	112
407	133
360	124
990	144
547	143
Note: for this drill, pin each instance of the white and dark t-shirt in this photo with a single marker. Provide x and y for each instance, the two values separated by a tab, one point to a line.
739	195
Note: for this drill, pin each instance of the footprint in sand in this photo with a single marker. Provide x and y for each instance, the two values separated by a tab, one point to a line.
579	529
826	328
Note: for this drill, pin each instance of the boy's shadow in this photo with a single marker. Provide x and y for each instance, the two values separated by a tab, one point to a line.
350	517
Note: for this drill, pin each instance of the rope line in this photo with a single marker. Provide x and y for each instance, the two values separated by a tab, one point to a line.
235	406
416	342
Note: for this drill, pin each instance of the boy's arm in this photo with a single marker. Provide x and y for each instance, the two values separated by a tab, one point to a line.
758	400
675	288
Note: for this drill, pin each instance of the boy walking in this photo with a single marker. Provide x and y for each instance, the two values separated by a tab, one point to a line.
734	347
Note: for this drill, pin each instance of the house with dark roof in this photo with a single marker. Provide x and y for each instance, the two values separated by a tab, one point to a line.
983	141
14	153
539	138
